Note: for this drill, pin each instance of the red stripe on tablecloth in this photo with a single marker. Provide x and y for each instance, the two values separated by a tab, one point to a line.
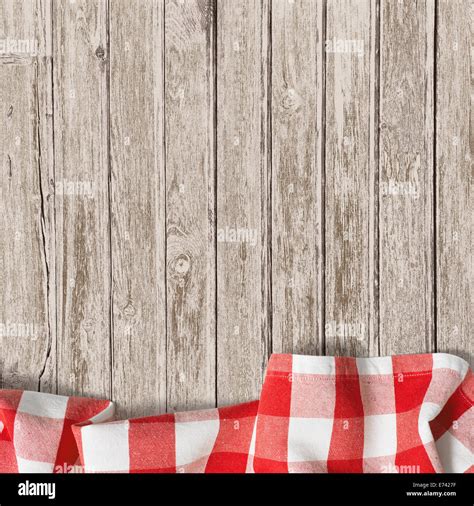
231	449
347	440
271	444
410	391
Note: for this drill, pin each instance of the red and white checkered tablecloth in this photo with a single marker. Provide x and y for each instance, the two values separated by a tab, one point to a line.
408	414
36	435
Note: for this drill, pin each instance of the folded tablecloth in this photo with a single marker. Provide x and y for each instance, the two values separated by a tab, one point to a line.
35	430
407	413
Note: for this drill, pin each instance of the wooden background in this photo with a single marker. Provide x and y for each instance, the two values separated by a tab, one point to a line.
141	131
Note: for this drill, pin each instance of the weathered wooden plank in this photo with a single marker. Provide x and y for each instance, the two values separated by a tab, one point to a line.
19	23
406	177
349	186
296	175
242	193
454	184
23	274
374	170
82	204
27	255
190	195
138	207
44	70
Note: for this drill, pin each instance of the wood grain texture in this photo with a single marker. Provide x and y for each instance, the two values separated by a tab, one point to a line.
137	189
82	200
45	128
374	178
296	176
406	177
24	317
190	203
349	187
189	185
27	316
19	21
454	177
242	195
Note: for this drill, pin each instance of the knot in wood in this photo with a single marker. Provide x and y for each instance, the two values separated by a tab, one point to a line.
182	264
100	53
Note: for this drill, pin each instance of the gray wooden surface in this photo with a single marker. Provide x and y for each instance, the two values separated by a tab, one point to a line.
189	185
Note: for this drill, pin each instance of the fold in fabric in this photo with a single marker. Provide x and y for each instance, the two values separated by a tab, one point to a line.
407	414
36	430
210	441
